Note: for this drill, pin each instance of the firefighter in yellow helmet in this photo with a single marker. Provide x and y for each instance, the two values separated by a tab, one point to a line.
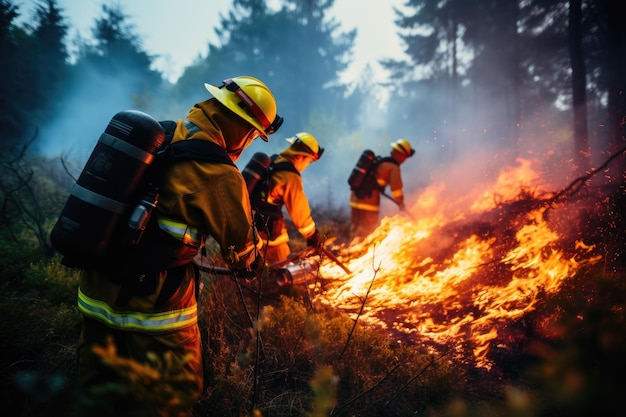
365	202
284	187
145	301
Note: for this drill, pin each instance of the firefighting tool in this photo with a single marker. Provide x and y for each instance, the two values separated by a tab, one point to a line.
293	270
403	209
111	203
309	143
250	99
290	274
404	147
310	250
333	258
293	273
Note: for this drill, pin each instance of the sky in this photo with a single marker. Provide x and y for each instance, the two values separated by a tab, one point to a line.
181	43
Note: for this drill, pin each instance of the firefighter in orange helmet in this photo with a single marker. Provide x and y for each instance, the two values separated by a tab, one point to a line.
145	302
284	187
365	202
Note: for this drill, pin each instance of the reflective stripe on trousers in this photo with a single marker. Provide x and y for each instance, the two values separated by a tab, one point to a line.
134	320
364	206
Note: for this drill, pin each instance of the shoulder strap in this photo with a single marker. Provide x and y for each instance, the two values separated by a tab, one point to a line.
196	149
169	126
388	159
199	150
283	166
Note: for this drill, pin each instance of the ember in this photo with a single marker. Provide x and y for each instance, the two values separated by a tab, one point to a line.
465	269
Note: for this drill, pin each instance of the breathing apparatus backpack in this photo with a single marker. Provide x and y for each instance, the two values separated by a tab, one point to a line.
268	218
112	201
362	179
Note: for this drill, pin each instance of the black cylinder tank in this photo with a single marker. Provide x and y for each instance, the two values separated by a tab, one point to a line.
255	170
106	187
359	172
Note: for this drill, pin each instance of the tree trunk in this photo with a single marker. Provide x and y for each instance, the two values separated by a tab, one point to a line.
579	87
616	34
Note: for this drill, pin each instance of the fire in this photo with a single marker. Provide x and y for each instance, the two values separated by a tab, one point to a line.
463	269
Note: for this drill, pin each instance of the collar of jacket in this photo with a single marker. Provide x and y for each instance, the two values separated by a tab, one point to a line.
216	123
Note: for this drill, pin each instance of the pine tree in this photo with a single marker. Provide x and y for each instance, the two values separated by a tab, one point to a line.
294	50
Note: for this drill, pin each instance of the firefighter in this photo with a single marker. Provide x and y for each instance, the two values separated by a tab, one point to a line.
284	187
365	202
146	304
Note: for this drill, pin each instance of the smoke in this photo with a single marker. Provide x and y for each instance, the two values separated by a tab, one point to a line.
461	156
85	109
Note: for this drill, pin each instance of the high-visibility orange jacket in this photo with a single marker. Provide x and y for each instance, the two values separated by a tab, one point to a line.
286	188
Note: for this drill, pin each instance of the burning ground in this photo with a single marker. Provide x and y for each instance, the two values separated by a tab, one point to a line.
465	270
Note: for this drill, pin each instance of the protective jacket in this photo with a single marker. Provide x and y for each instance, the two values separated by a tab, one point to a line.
211	197
285	188
387	174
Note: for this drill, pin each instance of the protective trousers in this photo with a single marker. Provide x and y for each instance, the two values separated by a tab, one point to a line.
158	373
363	223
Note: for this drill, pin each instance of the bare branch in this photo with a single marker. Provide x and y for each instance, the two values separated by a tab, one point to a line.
376	270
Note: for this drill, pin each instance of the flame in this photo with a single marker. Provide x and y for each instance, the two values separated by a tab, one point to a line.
459	273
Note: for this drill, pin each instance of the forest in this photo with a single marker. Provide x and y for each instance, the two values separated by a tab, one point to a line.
500	292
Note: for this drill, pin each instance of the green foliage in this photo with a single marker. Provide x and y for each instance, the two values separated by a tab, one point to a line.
149	384
40	328
291	361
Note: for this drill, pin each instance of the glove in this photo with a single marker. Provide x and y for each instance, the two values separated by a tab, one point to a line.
315	240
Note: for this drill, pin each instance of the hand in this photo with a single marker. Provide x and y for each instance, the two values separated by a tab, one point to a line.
402	206
314	240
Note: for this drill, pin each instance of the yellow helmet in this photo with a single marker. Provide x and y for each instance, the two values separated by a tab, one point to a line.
308	143
404	147
251	100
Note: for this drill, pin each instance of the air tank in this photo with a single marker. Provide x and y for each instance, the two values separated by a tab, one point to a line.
101	198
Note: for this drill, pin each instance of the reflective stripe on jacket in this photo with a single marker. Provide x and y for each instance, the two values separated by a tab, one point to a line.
181	231
134	320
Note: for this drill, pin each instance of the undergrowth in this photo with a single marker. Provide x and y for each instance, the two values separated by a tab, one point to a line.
275	352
